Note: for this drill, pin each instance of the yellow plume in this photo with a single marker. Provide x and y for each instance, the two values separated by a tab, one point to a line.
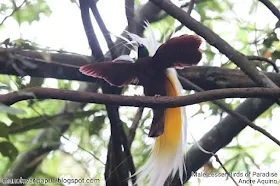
167	156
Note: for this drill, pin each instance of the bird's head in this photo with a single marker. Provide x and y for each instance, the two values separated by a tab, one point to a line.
142	51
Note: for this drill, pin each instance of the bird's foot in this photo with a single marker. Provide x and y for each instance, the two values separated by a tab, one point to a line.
138	95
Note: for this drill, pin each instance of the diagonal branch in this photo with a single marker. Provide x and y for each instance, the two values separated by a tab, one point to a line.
212	38
105	32
129	12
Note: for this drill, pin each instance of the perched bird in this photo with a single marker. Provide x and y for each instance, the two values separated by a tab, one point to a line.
155	71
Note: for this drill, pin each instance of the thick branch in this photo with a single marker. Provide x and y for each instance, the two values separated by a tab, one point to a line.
65	66
137	101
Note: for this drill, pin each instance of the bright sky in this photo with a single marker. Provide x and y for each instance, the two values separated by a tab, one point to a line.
64	30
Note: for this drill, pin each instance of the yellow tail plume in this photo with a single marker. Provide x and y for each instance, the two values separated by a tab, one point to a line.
167	155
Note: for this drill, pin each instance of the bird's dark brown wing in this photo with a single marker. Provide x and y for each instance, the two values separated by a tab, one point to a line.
156	86
179	52
117	73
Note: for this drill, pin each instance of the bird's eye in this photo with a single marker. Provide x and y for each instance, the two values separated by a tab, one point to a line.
141	46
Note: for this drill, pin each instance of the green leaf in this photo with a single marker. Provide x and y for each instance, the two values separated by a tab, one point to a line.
96	125
11	110
4	130
8	149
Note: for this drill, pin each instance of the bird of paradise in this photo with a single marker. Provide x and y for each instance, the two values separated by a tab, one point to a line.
155	71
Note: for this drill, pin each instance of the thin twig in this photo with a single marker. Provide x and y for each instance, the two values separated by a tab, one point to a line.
266	60
195	1
190	8
14	11
175	30
232	113
221	164
191	5
134	126
211	153
271	7
62	135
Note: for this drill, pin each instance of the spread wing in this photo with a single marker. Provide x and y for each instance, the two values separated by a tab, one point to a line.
117	73
179	52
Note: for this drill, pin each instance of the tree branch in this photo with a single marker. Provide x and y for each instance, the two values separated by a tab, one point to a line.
105	32
129	12
138	101
92	39
191	6
266	60
134	126
65	66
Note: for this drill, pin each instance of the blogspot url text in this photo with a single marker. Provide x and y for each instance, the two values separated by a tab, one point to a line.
50	181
